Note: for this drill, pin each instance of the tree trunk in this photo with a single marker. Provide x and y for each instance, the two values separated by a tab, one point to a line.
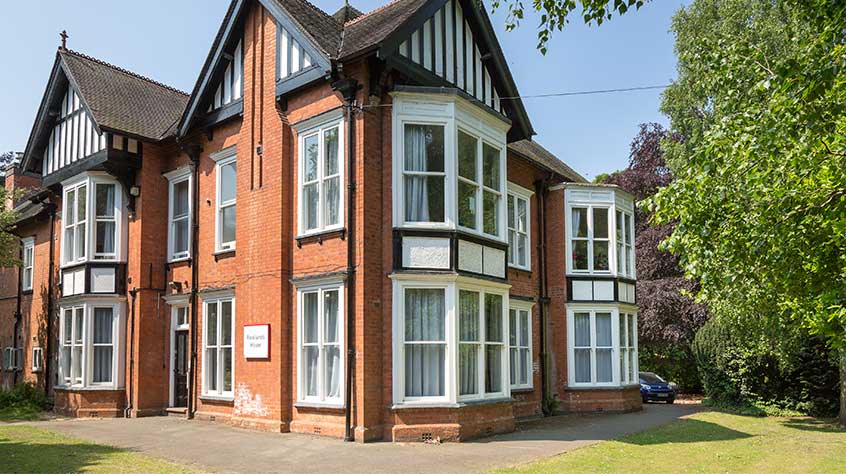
841	421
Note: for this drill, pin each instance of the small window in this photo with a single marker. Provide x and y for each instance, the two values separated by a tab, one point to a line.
625	244
321	179
180	316
520	346
218	347
227	171
103	346
590	239
27	263
321	341
37	359
74	220
519	219
106	223
424	175
179	241
12	359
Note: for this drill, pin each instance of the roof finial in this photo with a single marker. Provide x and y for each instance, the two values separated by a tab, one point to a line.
347	3
64	35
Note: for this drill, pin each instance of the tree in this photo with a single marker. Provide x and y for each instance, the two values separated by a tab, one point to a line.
554	14
760	191
8	241
668	317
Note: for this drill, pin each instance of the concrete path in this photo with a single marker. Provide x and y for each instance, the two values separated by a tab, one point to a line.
220	448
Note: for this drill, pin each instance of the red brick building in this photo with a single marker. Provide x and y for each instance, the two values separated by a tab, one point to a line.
344	229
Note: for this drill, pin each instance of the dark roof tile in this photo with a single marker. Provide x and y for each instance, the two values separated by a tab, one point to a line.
346	13
533	151
324	29
370	29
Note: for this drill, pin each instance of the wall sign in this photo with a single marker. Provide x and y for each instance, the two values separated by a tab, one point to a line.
257	341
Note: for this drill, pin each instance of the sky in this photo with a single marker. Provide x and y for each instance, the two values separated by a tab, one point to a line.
168	41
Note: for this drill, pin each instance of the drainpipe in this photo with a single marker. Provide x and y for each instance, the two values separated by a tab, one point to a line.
348	88
17	325
47	350
541	191
193	152
127	412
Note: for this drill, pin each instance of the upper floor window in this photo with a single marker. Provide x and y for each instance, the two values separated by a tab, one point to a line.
231	86
321	178
600	230
94	224
179	214
625	244
590	239
27	263
450	171
519	218
227	172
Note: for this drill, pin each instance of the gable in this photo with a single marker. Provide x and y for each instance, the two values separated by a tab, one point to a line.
230	85
74	137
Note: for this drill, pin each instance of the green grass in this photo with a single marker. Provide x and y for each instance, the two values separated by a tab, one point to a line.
29	449
711	442
21	413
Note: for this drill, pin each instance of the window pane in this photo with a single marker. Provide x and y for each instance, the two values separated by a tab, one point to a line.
622	332
514	365
600	255
490	210
102	364
522	246
493	318
102	325
580	258
629	266
227	181
600	223
512	224
582	364
211	324
311	377
424	315
512	327
490	166
226	323
468	316
424	370
424	198
332	377
228	231
632	319
80	241
105	237
80	203
524	328
105	200
467	204
467	156
468	369
493	368
333	201
76	364
226	355
68	326
211	370
619	226
310	149
579	218
522	215
330	313
330	149
78	325
180	232
621	259
603	365
180	199
603	329
582	329
525	363
310	314
424	148
311	199
70	207
70	245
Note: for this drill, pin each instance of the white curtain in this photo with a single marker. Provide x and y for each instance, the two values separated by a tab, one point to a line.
424	363
603	339
332	351
331	186
105	209
582	339
416	187
102	345
468	329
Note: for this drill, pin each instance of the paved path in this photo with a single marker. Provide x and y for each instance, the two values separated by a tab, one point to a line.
220	448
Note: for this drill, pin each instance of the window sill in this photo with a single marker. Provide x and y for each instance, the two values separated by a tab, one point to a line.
71	388
450	405
521	269
180	259
217	398
522	389
602	387
224	253
320	236
319	406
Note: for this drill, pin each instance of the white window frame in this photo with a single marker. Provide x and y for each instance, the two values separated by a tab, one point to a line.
12	359
517	192
177	177
452	113
222	158
590	239
450	285
95	184
27	263
37	359
321	398
219	393
302	134
616	374
626	257
175	307
629	351
89	181
69	256
483	343
85	379
480	187
522	306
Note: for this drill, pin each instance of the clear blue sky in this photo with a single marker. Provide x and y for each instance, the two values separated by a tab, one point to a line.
169	39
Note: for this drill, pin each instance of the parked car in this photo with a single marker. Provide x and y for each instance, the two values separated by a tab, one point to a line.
654	388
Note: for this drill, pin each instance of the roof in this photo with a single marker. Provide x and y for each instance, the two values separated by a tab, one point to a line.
325	30
346	13
370	29
533	151
124	101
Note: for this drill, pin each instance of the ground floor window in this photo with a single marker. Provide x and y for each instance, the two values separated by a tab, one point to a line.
90	338
602	346
218	346
321	359
520	344
451	341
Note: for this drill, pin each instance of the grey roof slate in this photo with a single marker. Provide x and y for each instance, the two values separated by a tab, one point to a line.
323	29
346	13
370	29
533	151
124	101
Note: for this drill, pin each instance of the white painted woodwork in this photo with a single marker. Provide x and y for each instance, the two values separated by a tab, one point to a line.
291	57
73	282
74	136
603	290
469	256
494	262
102	279
425	252
231	87
582	290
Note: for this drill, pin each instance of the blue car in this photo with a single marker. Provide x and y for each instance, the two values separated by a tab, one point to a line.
654	388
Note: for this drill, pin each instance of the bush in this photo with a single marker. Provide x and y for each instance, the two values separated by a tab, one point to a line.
674	363
23	401
789	372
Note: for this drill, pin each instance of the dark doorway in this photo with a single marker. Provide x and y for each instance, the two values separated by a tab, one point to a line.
180	369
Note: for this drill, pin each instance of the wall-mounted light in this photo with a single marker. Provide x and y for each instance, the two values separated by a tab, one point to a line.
134	191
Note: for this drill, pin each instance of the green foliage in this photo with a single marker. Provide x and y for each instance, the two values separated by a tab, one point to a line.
24	401
672	361
554	14
765	372
9	248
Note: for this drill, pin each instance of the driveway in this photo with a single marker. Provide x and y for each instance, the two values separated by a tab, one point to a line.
221	448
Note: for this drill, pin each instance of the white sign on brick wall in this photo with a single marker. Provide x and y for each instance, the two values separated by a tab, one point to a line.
257	341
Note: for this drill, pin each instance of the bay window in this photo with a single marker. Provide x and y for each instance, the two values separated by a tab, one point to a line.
600	230
519	218
481	344
425	343
602	346
218	347
321	357
74	218
424	175
28	245
590	239
520	344
105	220
226	170
179	214
91	219
90	336
321	178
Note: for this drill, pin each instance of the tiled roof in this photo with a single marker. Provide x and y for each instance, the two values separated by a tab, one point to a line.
533	151
122	100
370	29
324	29
346	13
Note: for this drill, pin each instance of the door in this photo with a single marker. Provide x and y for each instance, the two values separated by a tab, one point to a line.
180	369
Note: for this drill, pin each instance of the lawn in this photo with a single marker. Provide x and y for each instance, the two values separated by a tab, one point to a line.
711	442
29	449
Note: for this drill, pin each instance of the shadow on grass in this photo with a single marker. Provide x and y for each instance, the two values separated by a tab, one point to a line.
685	431
812	424
16	456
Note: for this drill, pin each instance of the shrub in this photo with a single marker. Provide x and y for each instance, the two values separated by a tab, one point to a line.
23	401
